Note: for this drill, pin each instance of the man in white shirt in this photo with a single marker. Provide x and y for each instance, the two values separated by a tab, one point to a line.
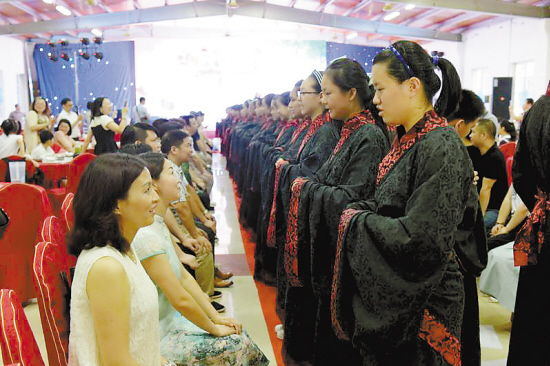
72	117
45	147
139	114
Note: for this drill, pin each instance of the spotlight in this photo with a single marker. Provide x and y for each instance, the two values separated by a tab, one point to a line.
63	42
50	43
85	41
84	55
65	56
98	55
52	57
98	40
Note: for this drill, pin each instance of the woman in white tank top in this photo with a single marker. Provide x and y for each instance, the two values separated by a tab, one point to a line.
114	307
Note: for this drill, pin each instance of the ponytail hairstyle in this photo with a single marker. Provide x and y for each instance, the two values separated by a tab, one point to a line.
406	59
284	98
347	74
509	128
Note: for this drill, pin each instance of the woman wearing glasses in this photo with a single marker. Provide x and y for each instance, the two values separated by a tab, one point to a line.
316	147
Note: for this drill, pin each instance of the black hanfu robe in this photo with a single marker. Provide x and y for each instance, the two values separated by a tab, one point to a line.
530	334
397	291
315	208
265	257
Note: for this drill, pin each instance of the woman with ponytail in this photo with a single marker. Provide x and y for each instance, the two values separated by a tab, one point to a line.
397	290
317	202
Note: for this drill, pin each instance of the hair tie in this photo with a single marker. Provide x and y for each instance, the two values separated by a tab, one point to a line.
318	76
435	60
400	58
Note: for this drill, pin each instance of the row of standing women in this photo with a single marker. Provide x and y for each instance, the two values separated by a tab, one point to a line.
367	243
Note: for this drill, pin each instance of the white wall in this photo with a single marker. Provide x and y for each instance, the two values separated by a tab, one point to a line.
12	66
496	49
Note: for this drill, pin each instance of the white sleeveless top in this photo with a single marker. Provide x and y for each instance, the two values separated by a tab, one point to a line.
144	314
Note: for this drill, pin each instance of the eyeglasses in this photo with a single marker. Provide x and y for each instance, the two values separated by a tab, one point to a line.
302	93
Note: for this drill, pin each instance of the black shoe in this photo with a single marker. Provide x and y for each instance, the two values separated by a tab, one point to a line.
219	307
216	295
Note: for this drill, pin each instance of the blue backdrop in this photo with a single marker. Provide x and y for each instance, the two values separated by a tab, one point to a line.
85	80
361	54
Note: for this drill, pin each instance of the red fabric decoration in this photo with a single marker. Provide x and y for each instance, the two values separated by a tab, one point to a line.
337	325
67	211
271	239
76	169
18	343
54	231
354	123
428	123
313	127
440	339
298	132
291	252
530	238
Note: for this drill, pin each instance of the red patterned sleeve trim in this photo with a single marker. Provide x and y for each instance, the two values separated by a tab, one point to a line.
345	219
271	239
440	339
291	252
530	238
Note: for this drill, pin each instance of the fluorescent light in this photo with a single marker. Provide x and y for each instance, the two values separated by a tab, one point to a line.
391	16
63	10
48	1
410	7
351	35
97	32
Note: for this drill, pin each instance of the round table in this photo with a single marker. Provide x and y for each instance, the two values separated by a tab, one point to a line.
54	171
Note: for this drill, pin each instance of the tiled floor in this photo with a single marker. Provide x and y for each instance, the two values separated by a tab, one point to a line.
242	300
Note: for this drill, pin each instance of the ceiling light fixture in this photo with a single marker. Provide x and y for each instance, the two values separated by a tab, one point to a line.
351	35
410	7
392	15
48	1
97	32
63	10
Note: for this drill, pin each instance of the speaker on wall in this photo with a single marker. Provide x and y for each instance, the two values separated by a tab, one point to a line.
502	93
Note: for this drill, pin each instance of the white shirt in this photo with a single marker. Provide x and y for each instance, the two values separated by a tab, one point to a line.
40	152
8	145
183	182
139	114
71	117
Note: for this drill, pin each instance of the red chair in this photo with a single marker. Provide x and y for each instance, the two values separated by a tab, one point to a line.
508	149
29	166
67	211
509	163
18	343
27	206
51	276
76	169
54	231
56	148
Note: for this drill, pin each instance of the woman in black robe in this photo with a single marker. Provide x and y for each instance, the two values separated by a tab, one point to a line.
397	290
317	202
531	174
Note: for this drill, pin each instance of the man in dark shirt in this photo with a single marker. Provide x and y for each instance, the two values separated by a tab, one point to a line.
490	164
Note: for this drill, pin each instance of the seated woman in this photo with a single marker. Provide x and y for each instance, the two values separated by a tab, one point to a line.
62	135
114	307
11	142
191	331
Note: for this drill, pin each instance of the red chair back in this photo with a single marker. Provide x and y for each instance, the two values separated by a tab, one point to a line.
509	163
508	149
54	231
18	343
3	170
76	169
67	211
53	300
27	206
